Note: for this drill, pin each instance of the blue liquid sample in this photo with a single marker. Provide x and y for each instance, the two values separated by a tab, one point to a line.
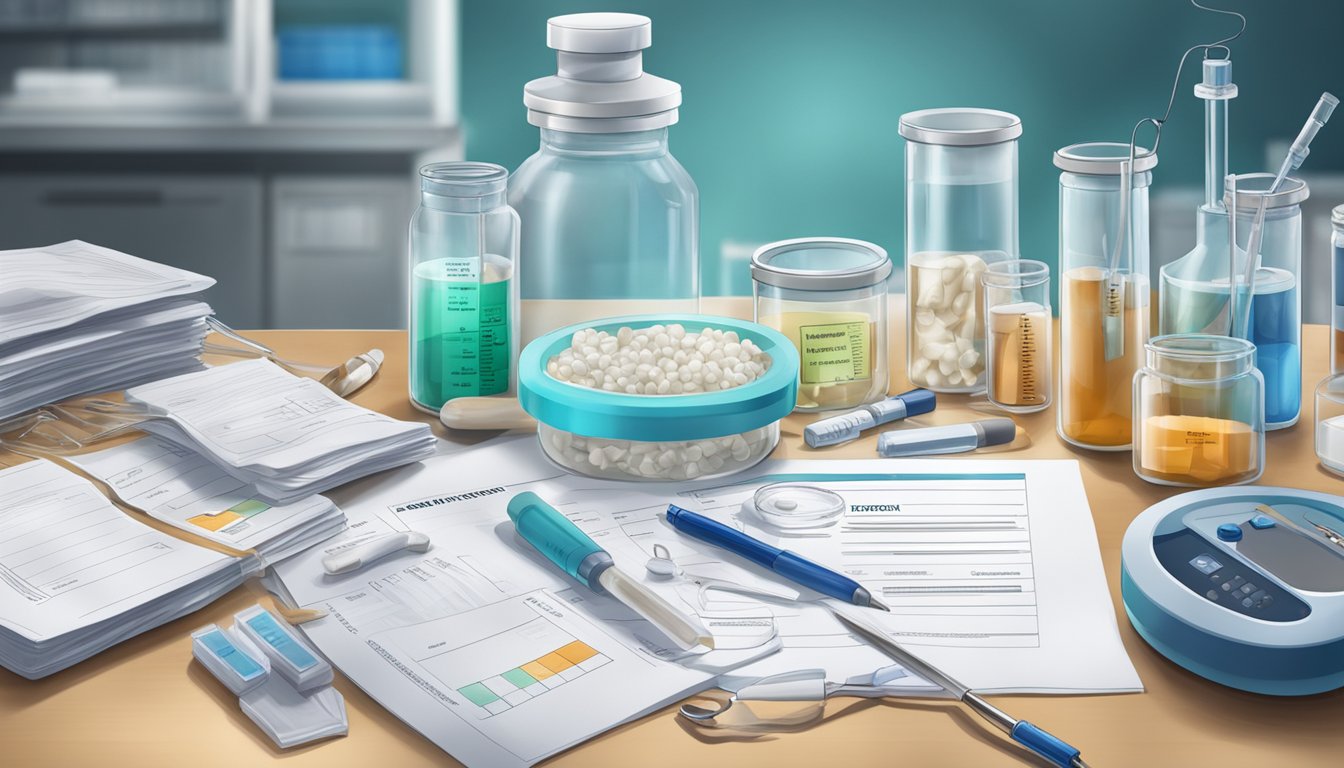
1276	333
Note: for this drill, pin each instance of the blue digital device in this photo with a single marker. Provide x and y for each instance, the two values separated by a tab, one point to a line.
1242	585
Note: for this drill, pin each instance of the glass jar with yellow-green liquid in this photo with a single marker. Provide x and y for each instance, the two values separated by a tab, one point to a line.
463	285
828	295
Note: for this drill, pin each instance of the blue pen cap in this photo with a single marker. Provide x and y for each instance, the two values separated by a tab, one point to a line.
918	401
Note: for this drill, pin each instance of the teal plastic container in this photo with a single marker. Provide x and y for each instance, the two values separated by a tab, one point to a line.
624	436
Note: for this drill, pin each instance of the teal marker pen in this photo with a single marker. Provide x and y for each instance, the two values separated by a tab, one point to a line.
553	535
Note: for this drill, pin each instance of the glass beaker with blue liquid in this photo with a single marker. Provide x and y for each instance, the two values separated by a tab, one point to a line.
1267	305
463	285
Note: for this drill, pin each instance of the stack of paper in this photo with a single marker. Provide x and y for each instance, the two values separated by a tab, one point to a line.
78	575
77	318
288	436
185	490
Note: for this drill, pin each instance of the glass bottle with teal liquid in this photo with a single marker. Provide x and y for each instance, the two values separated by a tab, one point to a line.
463	285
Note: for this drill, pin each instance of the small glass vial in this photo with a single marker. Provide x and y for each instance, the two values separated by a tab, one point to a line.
1199	415
1337	283
1330	422
1104	303
828	295
960	216
1019	338
463	285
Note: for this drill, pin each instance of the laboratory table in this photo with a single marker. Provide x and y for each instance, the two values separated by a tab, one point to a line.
145	703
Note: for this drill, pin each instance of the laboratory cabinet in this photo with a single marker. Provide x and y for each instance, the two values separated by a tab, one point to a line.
211	224
338	249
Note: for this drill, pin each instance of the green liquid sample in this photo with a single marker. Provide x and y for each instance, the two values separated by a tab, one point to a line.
459	329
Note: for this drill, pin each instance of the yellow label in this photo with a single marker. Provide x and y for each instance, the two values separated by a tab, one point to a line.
834	352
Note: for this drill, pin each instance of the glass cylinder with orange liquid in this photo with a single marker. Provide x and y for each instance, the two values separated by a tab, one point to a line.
1104	290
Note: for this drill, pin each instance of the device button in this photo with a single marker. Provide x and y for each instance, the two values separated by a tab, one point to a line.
1258	597
1229	532
1247	589
1205	564
1247	602
1260	522
1266	600
1212	594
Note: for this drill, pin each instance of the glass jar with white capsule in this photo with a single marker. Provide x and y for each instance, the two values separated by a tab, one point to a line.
659	398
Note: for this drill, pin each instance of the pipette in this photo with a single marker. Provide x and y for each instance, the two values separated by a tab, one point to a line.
1112	309
1296	154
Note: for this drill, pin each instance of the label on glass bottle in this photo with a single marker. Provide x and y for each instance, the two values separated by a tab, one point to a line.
835	352
462	333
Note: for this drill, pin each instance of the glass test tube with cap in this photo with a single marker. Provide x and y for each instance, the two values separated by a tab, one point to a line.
848	426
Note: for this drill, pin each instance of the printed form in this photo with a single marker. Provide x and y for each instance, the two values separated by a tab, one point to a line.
69	559
991	567
182	488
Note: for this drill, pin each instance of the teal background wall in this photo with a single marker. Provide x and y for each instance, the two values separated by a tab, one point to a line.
788	123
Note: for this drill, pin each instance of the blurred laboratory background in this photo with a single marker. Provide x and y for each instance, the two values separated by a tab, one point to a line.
273	144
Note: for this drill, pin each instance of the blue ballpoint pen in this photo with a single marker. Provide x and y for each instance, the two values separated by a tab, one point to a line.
791	566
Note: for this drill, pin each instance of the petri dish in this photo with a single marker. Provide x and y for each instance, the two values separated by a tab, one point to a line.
797	505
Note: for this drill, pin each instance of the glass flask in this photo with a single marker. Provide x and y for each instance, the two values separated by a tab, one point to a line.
1019	335
960	215
463	285
610	218
1103	289
1199	412
1337	291
828	296
1181	309
1272	320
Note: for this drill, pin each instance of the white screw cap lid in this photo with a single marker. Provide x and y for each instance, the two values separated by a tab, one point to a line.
599	32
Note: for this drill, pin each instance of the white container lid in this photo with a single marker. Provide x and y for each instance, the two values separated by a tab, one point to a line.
1102	158
1253	186
600	85
960	126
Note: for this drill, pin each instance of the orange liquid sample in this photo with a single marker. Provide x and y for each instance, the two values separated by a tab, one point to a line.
1197	449
1096	393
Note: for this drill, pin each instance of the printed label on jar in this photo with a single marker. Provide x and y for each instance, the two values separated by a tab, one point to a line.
835	352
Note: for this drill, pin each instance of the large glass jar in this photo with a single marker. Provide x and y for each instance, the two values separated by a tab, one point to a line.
463	285
960	215
1104	295
828	296
1273	319
610	218
1199	412
1337	292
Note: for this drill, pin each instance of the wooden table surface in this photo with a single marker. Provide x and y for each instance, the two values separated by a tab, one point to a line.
146	703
